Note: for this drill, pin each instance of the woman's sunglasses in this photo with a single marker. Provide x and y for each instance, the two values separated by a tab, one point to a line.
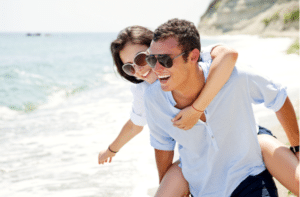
142	59
138	60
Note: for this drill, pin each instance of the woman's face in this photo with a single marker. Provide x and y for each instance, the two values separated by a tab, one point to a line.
141	72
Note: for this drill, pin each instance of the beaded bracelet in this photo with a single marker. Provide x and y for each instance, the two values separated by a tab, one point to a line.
112	150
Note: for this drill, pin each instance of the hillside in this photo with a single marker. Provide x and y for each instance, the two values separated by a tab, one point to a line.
265	18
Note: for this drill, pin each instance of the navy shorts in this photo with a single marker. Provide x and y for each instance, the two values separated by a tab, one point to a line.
261	185
263	130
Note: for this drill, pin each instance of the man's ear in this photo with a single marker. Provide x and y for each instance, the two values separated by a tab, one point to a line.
194	55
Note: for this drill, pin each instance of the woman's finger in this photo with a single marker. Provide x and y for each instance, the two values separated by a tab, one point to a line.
177	117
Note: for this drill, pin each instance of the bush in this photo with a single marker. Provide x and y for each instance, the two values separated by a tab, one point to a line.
291	17
274	17
294	48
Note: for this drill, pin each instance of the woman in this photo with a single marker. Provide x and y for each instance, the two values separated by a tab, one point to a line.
127	51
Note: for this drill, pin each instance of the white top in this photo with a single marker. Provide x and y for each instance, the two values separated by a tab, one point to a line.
137	114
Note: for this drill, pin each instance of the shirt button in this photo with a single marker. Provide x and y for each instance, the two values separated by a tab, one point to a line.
212	137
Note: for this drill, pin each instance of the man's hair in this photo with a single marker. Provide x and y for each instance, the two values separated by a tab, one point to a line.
184	31
135	35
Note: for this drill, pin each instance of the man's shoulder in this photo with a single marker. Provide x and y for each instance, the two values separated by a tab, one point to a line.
246	70
153	89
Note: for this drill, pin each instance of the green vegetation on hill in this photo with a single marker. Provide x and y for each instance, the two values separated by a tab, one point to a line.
291	16
288	17
294	48
274	17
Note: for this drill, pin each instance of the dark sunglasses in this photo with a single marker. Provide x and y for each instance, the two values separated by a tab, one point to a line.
139	60
164	59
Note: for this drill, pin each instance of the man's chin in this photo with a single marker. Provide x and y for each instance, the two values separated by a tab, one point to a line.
165	88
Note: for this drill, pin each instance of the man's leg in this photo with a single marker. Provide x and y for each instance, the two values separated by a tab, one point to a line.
261	185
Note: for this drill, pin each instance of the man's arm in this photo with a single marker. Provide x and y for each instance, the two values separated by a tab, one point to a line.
164	161
287	118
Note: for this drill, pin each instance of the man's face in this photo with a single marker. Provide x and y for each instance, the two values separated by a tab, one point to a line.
170	78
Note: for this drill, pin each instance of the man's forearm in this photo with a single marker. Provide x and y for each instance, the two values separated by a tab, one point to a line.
164	160
287	118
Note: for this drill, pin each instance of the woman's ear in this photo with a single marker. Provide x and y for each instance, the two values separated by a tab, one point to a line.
194	55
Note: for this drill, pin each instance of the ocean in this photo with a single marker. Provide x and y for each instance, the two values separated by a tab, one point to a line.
61	102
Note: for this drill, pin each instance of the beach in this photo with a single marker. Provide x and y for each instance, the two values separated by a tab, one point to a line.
52	149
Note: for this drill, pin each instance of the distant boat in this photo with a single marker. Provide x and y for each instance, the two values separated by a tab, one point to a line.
36	34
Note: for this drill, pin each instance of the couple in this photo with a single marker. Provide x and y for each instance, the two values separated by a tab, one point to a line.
220	146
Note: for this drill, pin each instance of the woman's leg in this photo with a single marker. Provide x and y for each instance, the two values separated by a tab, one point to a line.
281	162
173	184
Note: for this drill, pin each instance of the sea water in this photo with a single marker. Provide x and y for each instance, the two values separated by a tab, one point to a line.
61	102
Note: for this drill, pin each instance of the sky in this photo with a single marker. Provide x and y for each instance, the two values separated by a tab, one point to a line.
94	15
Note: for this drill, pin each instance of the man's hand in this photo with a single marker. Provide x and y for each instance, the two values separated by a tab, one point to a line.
105	156
186	118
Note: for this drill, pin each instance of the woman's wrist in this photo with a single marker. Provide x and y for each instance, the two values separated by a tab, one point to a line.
294	149
112	150
197	109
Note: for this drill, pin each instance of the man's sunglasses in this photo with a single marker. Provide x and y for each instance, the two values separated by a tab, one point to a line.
164	59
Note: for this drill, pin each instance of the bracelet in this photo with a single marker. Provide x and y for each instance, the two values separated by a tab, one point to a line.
294	149
197	109
112	150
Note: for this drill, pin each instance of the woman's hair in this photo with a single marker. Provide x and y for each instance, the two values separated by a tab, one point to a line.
135	35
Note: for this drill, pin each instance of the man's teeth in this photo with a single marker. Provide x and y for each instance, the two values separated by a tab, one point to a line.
163	76
144	75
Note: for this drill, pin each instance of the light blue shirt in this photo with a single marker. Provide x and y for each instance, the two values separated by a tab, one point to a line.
216	155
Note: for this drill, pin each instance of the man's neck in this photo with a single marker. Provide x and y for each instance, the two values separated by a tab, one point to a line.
189	91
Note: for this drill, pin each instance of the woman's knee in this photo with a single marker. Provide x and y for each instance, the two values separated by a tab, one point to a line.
173	183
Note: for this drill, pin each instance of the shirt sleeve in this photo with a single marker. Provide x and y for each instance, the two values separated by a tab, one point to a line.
205	53
162	142
159	138
264	90
137	114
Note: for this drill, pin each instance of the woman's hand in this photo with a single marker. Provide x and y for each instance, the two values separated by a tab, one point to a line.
186	118
297	155
105	156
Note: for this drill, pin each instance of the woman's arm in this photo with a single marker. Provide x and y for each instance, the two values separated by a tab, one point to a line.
128	131
224	59
287	118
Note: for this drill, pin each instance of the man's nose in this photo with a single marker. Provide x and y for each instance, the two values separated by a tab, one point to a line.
158	67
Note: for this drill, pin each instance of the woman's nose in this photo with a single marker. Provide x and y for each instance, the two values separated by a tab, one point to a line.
138	68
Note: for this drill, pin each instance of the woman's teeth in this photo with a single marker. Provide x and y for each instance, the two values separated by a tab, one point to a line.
146	73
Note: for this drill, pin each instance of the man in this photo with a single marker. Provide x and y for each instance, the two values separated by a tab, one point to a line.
221	153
